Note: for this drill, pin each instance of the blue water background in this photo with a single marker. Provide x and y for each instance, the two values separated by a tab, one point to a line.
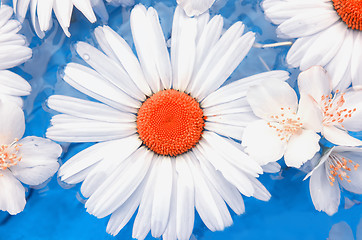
56	211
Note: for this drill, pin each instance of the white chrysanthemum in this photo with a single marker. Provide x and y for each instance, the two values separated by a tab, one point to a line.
286	128
341	111
13	52
195	8
160	123
328	33
339	166
31	160
41	12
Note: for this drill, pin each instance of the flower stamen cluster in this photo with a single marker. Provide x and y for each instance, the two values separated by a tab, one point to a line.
339	168
286	123
9	155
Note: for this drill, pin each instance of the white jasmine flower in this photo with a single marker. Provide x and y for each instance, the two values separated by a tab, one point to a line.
339	166
31	160
13	52
41	12
341	110
285	129
160	123
195	8
328	33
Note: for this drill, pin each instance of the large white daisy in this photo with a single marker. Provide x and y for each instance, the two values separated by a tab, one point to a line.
342	111
328	33
160	123
41	12
13	52
31	160
339	166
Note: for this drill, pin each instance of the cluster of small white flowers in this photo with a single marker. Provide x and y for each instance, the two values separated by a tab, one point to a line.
165	125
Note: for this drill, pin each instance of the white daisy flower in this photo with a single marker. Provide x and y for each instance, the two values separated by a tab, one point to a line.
341	111
195	8
13	52
328	33
285	129
31	160
41	12
160	123
339	166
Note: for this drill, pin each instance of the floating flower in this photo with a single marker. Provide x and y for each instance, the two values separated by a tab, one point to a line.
160	123
328	33
195	8
31	160
341	110
41	12
13	52
285	129
339	166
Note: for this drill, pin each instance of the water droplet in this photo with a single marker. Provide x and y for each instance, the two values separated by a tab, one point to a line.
86	57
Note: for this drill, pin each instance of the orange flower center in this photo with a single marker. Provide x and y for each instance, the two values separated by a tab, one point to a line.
170	122
9	155
350	12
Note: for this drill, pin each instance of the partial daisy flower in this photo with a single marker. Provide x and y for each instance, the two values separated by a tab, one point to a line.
338	166
163	125
13	52
41	12
195	8
31	160
341	111
328	33
285	128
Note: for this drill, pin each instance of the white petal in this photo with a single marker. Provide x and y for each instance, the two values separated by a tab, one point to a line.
126	57
231	131
120	185
73	129
63	11
195	8
39	160
89	109
340	137
355	175
353	100
310	113
356	71
301	147
12	123
162	196
262	143
86	8
340	231
44	12
269	98
209	204
227	191
12	193
272	167
324	196
124	213
13	84
315	82
239	88
109	69
185	199
183	49
93	84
